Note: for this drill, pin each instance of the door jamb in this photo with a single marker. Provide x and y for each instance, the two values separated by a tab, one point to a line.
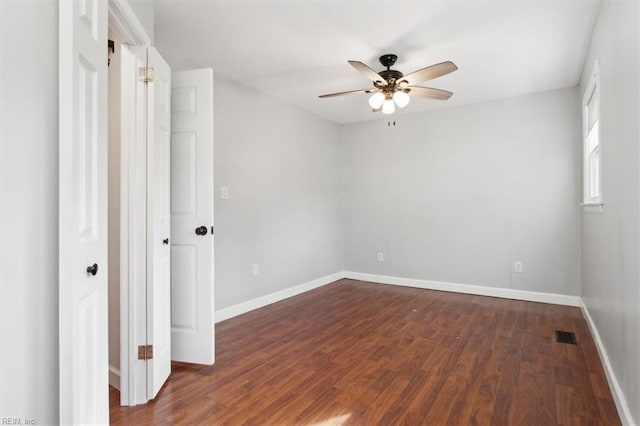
125	25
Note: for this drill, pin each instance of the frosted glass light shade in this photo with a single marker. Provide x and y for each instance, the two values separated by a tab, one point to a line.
376	100
388	107
401	99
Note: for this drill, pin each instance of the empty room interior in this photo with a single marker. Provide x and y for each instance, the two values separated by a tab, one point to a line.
419	213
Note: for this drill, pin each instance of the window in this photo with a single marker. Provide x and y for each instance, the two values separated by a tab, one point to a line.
592	176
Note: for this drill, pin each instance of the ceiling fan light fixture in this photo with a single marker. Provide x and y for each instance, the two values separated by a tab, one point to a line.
376	100
401	98
388	107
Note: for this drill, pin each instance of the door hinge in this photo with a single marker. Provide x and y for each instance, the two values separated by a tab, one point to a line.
145	74
145	352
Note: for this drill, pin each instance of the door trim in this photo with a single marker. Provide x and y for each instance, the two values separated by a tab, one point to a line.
125	24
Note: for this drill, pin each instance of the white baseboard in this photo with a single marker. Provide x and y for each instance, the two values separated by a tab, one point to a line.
614	385
259	302
505	293
114	377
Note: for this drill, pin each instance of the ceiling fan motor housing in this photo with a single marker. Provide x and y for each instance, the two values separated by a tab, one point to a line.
388	59
391	74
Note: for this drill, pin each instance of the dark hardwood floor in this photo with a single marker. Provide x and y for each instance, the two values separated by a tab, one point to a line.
357	353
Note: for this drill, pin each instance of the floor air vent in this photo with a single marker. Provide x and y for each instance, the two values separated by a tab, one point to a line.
566	337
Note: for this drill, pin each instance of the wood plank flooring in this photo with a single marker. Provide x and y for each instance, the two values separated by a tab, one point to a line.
357	353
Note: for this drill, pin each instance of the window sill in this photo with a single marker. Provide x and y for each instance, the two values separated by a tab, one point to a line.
592	207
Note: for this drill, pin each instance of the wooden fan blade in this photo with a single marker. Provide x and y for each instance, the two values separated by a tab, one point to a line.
429	73
428	92
350	92
368	72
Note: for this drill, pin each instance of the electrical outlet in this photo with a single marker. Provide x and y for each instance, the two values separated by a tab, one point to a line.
380	257
224	193
517	267
256	269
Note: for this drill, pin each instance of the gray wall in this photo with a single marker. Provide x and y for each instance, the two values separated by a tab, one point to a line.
611	284
458	195
29	211
281	165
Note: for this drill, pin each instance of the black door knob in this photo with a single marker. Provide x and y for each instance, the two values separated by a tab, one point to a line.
165	241
201	230
93	269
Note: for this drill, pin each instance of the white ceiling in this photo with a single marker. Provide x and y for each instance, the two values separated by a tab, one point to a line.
298	50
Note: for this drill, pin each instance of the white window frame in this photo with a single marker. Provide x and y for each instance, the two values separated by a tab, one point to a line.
592	191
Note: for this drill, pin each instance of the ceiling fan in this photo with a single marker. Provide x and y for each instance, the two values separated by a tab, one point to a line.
391	87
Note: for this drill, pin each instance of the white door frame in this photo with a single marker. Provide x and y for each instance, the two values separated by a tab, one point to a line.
124	24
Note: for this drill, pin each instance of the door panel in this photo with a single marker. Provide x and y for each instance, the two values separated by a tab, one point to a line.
192	324
184	291
183	173
87	401
87	150
159	223
83	269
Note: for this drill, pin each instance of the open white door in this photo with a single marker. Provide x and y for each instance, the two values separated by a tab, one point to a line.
83	339
192	325
158	222
133	228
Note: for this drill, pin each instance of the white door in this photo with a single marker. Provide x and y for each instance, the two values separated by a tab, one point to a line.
83	337
192	322
158	222
133	227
